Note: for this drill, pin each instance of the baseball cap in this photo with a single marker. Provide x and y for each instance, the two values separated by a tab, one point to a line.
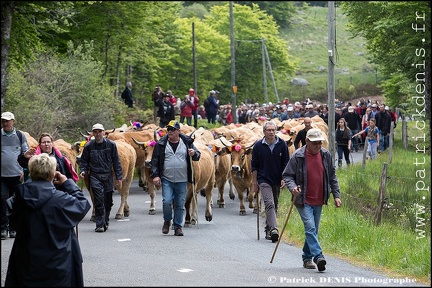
314	134
174	124
98	126
7	116
290	108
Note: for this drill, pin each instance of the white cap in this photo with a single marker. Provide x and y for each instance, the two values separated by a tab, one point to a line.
290	108
314	134
7	116
98	126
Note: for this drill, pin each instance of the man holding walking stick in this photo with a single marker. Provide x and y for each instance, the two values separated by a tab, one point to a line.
269	158
310	176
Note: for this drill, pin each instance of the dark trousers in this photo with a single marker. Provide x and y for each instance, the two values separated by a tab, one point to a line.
342	150
103	189
195	117
8	186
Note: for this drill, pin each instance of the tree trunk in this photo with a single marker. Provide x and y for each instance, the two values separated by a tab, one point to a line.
6	27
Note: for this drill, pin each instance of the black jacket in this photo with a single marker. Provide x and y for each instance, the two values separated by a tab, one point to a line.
46	251
158	156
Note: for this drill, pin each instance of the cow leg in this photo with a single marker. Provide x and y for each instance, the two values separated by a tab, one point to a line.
242	206
152	193
126	209
251	196
120	211
187	206
209	202
231	190
221	200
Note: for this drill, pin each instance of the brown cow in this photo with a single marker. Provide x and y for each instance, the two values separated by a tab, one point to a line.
241	173
32	142
204	178
223	169
148	148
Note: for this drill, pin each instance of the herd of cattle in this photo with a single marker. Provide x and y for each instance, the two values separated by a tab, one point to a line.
225	158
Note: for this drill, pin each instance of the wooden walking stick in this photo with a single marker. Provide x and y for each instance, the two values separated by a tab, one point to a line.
283	229
258	213
193	189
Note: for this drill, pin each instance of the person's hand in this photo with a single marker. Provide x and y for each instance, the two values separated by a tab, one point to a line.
30	152
338	202
157	182
282	183
59	178
296	191
191	152
118	182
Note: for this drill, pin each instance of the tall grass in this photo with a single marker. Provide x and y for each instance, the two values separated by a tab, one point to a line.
400	245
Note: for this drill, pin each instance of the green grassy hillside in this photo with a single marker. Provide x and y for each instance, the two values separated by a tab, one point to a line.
308	43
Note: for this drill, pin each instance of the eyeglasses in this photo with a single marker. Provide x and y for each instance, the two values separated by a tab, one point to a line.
316	142
171	129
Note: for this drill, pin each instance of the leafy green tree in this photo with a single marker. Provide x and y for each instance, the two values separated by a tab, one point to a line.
398	37
251	25
62	95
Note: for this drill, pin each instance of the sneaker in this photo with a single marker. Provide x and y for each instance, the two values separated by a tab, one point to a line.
321	262
308	264
267	234
166	226
274	235
4	235
178	231
100	229
12	234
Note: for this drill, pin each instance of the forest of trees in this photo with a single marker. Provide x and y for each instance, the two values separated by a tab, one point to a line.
65	63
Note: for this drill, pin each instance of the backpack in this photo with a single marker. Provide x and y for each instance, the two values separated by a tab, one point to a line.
207	103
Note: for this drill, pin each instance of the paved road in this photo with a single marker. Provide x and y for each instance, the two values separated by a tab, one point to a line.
223	252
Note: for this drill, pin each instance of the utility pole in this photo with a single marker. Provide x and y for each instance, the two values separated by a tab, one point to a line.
271	73
331	89
194	59
233	86
264	71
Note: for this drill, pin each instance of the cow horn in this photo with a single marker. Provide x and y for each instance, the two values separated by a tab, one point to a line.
130	121
155	135
85	136
137	142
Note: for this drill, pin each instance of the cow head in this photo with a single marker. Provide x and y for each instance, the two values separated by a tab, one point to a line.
148	148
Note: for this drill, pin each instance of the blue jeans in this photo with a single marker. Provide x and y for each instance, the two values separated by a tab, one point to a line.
311	216
384	142
174	192
354	141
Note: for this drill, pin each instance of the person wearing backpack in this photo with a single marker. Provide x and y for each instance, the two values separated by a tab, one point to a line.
12	173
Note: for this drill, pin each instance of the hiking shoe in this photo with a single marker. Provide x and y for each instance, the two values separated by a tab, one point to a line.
178	232
100	229
166	226
4	235
321	262
308	264
12	234
267	234
274	235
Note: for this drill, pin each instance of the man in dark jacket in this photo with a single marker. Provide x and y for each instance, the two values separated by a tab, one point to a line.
269	158
99	159
166	111
353	122
127	95
310	176
383	122
46	252
171	169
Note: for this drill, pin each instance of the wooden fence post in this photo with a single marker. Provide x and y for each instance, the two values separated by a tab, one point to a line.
381	195
366	143
404	133
390	156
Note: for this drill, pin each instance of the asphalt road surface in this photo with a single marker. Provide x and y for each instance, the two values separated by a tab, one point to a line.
223	252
